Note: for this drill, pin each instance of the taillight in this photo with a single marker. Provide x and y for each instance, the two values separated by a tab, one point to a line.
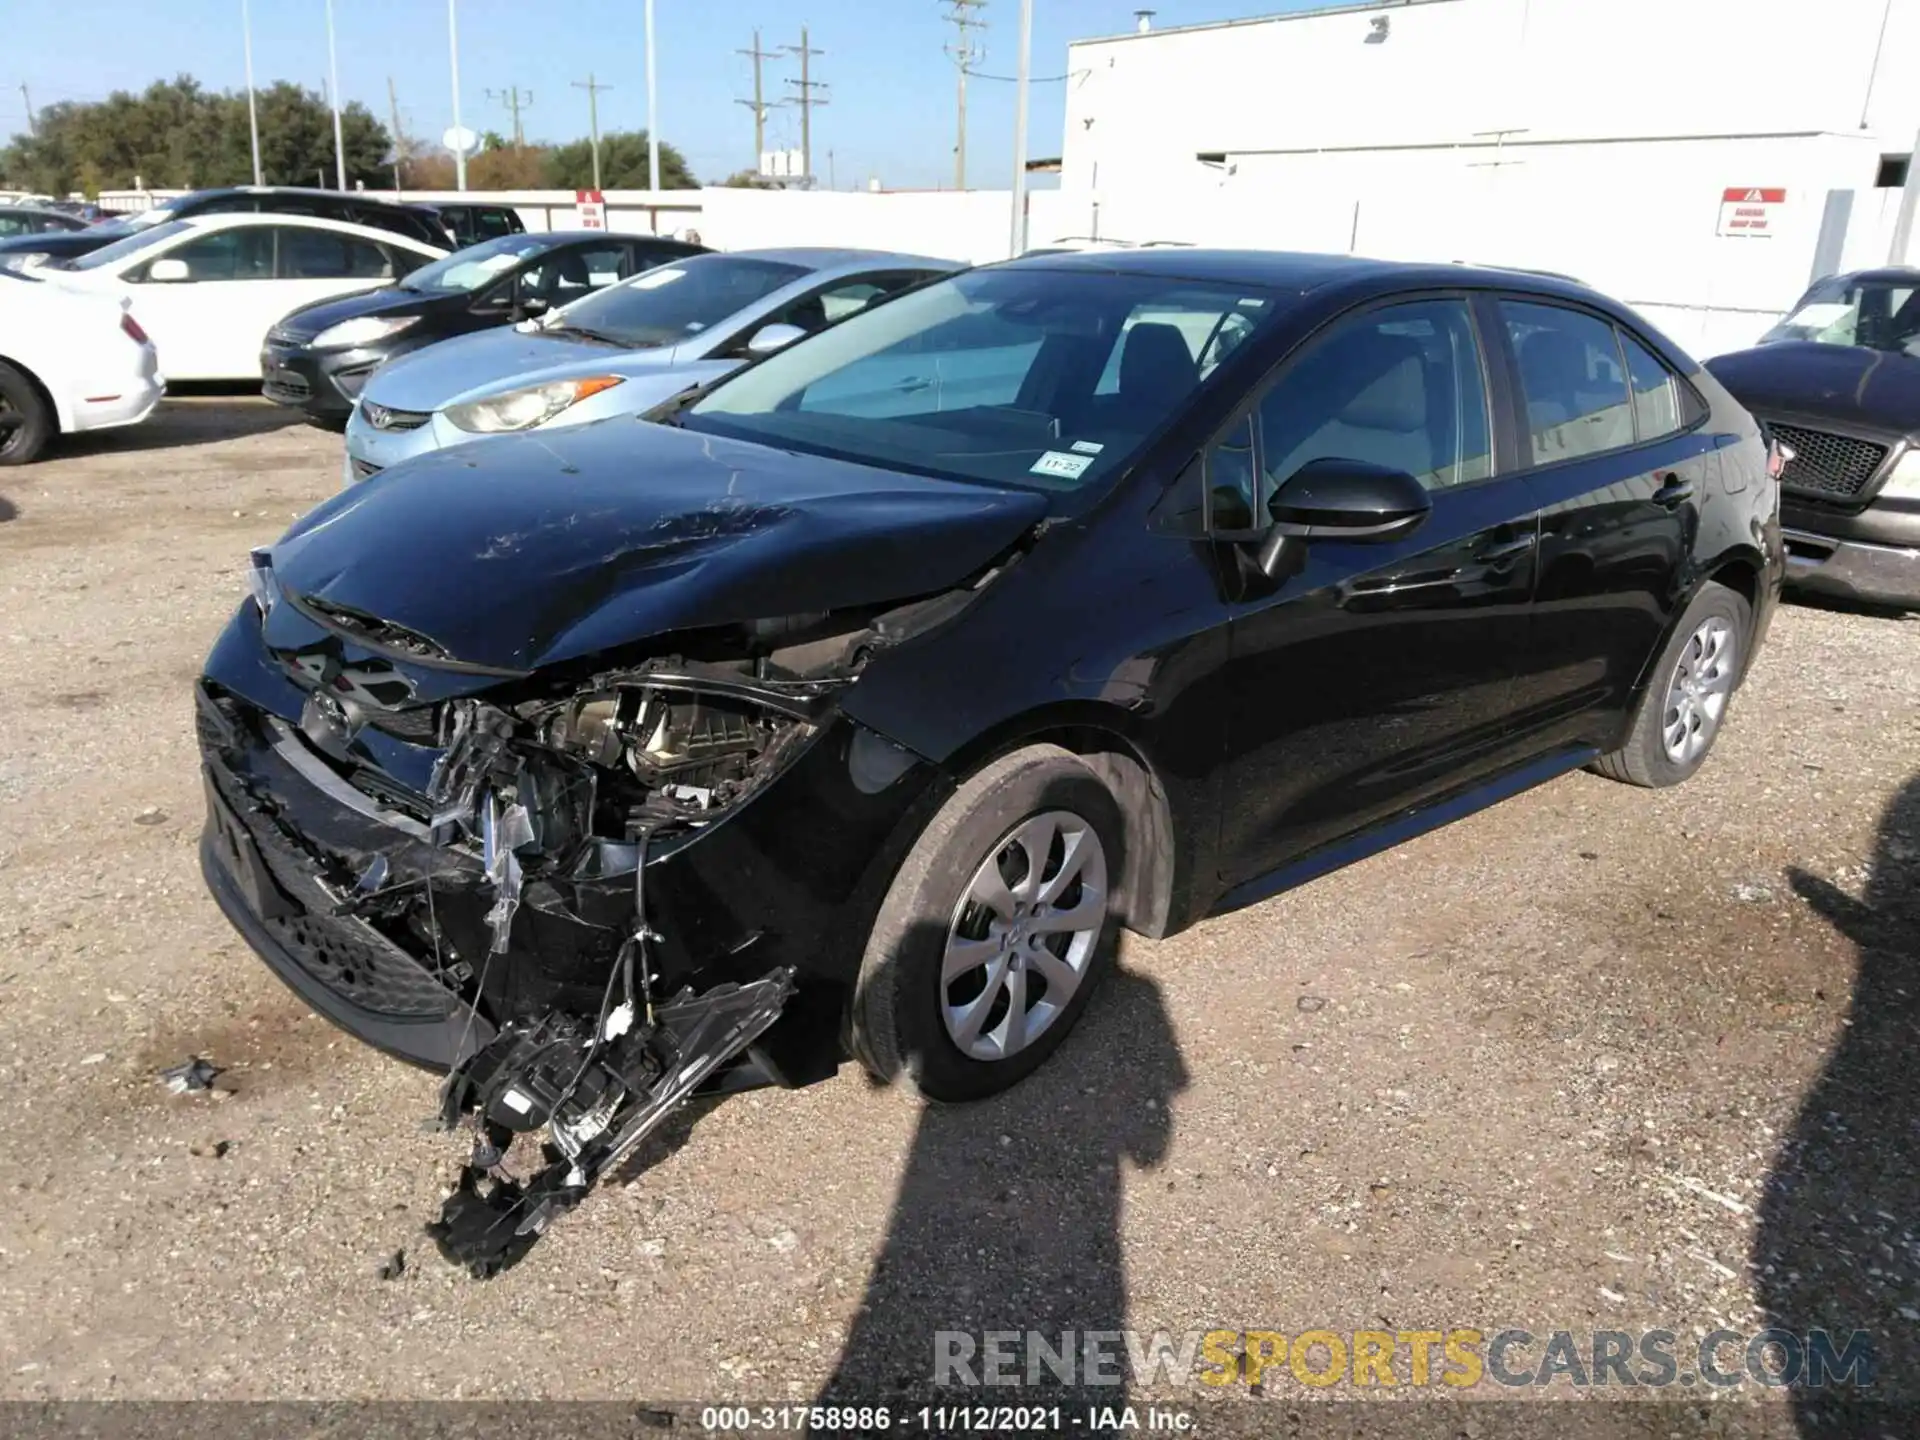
132	328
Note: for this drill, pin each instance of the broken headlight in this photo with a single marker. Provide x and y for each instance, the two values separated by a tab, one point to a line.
691	753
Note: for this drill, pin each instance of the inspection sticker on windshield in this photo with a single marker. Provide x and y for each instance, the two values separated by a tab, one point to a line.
1088	447
1061	463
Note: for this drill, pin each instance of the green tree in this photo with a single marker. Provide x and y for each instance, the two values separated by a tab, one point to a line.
623	164
177	135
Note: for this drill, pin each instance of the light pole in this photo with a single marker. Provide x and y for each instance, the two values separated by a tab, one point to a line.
333	71
453	52
1018	237
253	111
653	112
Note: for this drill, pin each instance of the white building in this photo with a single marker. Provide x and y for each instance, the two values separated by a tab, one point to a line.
1600	140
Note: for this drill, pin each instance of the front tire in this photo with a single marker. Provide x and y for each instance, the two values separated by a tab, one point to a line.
1685	704
26	420
996	930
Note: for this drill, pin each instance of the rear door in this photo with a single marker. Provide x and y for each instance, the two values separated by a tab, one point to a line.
1381	674
1619	466
312	264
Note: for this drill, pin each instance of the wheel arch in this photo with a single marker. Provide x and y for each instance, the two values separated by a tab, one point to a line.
1144	895
1738	570
62	421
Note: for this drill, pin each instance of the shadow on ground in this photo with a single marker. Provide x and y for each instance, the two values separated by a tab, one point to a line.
1838	1248
7	510
1008	1215
203	417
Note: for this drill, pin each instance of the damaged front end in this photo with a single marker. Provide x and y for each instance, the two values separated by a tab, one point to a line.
585	898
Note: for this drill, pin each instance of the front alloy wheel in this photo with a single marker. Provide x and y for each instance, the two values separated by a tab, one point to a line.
1023	935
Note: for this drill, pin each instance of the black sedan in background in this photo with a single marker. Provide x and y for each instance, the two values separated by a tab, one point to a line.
318	357
847	710
1838	382
18	220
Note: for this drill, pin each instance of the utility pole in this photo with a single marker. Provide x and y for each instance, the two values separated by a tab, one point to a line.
758	103
510	98
333	94
806	100
28	99
1017	240
399	143
593	119
453	58
964	54
253	110
653	111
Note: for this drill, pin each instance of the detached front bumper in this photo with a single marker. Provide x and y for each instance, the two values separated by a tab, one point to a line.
329	868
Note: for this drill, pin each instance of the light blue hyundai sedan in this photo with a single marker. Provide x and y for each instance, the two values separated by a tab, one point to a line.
620	351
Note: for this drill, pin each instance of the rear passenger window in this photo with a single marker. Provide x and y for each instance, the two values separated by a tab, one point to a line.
1656	394
1400	386
1572	379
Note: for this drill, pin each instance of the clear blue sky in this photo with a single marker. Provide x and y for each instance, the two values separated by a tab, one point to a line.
891	110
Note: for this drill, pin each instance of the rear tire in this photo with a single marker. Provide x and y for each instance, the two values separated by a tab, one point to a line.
1005	901
26	420
1686	702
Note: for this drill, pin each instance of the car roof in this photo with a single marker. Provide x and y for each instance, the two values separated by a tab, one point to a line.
1880	275
243	219
1298	272
824	257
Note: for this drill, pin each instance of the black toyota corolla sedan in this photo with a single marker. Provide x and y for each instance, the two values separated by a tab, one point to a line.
846	709
1838	383
317	358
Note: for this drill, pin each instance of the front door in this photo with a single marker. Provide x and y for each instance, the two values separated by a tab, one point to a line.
229	278
1620	476
1381	673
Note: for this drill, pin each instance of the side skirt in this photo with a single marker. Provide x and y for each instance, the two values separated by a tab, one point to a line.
1407	825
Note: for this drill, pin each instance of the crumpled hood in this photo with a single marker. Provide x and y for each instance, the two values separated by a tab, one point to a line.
489	361
1875	389
549	546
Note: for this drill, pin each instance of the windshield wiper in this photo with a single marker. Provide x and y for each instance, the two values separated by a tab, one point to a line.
599	336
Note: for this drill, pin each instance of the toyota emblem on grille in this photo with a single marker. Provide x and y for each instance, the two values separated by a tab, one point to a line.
378	416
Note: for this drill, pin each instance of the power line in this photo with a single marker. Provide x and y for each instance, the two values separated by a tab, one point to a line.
758	103
965	54
806	100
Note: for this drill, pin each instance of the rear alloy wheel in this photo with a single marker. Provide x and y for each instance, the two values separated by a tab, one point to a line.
1685	705
995	931
26	422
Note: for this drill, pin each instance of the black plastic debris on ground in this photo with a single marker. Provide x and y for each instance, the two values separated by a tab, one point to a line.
193	1076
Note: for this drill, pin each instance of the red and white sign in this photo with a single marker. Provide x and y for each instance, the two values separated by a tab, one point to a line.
590	207
1750	211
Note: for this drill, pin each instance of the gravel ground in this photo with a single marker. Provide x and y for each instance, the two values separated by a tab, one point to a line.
1596	1059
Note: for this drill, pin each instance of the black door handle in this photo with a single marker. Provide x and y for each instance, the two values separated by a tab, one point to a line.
1511	550
1675	492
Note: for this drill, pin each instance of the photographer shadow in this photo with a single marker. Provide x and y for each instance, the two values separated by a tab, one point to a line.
1008	1218
1838	1244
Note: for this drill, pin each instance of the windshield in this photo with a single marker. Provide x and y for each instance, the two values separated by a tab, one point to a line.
475	267
1872	314
108	255
1047	379
665	305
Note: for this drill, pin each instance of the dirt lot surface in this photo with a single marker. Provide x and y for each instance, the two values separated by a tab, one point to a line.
1596	1059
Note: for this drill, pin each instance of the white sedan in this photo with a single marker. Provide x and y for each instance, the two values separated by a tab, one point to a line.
68	362
209	288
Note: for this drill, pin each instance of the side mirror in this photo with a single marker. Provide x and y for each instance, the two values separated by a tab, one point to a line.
769	338
168	272
1336	499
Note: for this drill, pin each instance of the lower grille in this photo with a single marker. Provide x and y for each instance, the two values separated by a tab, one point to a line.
365	469
1835	466
286	385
